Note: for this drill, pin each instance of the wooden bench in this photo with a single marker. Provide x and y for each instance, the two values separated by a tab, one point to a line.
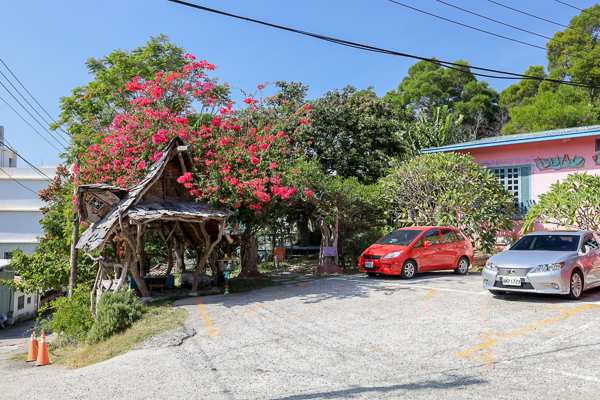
156	286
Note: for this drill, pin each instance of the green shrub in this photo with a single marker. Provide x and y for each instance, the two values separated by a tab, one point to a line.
355	243
116	311
70	316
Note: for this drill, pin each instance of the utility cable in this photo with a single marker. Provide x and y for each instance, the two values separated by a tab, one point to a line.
40	172
468	26
35	119
505	24
24	98
9	70
29	124
17	181
447	64
535	16
577	8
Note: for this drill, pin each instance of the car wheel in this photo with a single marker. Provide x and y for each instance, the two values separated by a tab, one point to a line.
462	267
371	274
497	292
409	269
576	286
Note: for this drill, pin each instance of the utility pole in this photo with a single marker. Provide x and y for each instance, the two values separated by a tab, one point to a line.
74	239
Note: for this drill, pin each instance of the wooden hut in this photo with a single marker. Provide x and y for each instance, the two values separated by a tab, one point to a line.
157	203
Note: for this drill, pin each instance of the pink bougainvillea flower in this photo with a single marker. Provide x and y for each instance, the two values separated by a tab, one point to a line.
254	160
272	165
141	165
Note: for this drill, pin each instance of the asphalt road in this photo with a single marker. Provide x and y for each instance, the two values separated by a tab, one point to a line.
439	336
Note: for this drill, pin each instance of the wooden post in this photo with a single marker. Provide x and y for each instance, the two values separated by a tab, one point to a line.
74	238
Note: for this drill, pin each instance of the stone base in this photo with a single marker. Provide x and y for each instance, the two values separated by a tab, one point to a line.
328	269
249	274
146	299
193	294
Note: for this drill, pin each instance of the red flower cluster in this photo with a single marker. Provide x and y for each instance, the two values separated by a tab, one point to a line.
232	166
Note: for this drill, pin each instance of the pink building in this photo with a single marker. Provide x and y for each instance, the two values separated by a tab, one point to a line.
528	163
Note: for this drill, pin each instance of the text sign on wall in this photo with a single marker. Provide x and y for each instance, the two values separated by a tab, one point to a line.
558	163
329	251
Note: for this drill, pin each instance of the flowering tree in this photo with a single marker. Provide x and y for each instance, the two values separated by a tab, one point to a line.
238	160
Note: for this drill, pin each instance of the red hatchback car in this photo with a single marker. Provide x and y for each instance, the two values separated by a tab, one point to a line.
407	251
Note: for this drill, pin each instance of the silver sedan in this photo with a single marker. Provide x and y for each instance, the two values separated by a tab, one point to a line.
565	263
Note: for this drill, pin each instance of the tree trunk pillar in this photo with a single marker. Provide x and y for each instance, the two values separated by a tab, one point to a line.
73	263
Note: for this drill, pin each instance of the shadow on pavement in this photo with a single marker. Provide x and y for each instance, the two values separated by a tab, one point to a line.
380	390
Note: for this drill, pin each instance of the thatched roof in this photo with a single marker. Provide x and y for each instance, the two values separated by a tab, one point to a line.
133	207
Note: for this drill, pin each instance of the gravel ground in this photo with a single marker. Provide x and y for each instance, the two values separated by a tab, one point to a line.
439	336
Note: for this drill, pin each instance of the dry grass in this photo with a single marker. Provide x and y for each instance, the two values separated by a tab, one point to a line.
157	317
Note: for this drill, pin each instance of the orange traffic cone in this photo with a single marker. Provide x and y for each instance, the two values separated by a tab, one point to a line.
33	348
43	353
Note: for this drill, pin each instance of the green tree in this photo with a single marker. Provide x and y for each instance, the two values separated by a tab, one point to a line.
99	101
429	86
450	189
571	203
341	205
564	107
573	54
350	133
440	129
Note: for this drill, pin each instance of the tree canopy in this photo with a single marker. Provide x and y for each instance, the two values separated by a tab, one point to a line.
429	86
449	189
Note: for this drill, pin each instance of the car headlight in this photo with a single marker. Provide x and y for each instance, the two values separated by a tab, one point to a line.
547	268
491	266
393	255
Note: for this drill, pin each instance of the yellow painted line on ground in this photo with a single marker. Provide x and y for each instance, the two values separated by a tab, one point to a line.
319	303
16	391
425	304
278	297
368	306
255	308
467	353
293	290
211	331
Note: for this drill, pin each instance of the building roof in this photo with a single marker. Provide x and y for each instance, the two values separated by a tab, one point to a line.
504	140
158	209
130	205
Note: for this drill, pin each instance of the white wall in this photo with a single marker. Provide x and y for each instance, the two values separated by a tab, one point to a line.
20	207
30	306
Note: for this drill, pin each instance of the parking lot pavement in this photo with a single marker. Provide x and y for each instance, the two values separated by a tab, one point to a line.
437	336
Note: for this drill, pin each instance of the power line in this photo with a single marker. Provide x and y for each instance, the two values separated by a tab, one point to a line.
469	26
40	172
29	124
447	64
35	119
535	16
27	101
577	8
17	181
503	23
9	70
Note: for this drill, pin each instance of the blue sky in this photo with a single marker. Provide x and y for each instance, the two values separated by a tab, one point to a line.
47	43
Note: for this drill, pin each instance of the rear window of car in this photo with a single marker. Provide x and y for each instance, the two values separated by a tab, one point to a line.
459	236
400	237
547	243
447	236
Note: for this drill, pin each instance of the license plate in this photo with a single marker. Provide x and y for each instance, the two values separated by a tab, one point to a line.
368	264
511	281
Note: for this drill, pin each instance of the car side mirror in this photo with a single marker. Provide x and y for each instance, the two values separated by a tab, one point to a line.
426	243
586	250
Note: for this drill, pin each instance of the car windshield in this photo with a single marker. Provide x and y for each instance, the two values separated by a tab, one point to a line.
399	238
547	243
